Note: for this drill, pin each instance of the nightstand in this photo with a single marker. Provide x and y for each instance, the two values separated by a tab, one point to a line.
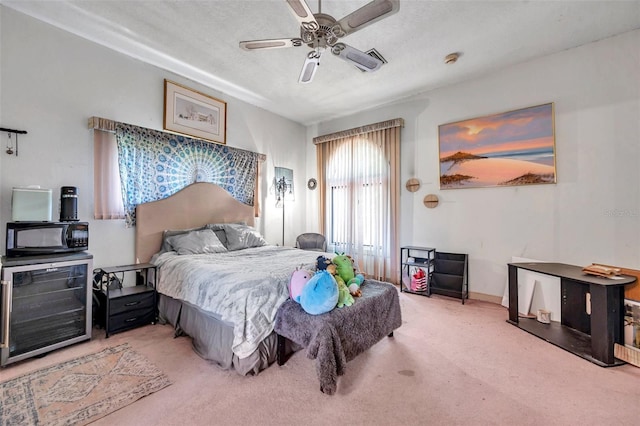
125	307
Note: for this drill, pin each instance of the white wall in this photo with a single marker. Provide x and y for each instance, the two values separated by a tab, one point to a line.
591	215
53	81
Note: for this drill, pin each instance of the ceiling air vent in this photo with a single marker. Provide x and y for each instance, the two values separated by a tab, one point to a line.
375	54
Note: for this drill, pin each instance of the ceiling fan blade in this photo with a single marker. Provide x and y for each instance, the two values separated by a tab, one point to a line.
311	64
303	14
270	44
356	57
367	15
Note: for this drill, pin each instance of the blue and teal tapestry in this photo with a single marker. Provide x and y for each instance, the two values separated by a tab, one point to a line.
154	165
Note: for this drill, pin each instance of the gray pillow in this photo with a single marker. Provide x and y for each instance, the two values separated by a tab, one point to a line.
196	242
242	236
167	233
218	228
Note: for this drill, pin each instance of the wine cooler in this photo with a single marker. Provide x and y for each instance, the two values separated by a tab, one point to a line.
45	305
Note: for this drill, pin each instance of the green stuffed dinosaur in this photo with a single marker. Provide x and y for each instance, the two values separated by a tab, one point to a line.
344	296
346	271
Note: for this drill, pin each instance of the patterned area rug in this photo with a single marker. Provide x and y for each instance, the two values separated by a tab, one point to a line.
81	390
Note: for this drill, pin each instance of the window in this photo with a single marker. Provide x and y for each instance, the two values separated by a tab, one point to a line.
107	200
338	220
354	178
359	199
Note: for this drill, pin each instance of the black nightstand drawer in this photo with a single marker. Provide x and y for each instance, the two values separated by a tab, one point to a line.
131	302
120	306
130	319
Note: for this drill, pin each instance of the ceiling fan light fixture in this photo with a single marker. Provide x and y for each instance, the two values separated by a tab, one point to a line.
307	37
321	31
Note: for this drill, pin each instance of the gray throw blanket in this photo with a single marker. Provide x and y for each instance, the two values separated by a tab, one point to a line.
335	338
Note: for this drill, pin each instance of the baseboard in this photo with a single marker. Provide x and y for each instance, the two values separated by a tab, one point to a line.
481	296
485	297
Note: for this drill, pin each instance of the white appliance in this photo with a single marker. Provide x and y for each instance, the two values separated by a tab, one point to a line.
31	205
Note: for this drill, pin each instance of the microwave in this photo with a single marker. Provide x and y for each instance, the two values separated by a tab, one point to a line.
37	238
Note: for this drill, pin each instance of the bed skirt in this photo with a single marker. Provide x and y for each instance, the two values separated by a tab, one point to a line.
213	338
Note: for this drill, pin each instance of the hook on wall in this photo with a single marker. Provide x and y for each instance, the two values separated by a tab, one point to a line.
10	149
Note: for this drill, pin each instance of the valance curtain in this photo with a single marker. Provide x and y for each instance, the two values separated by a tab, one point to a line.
154	165
359	173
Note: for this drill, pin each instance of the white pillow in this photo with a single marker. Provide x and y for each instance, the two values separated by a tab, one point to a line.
196	242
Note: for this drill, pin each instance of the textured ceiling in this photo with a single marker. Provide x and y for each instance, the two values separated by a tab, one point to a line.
199	40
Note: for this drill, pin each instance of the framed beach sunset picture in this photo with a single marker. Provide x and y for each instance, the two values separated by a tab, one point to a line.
507	149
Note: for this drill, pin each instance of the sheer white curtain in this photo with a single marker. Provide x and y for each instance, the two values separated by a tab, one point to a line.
359	177
107	202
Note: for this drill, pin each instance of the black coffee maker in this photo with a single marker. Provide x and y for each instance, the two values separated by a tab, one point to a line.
68	204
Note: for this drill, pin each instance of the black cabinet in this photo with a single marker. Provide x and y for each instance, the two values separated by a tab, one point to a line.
591	317
450	275
46	304
122	307
426	271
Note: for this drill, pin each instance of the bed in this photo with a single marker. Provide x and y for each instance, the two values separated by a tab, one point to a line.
224	299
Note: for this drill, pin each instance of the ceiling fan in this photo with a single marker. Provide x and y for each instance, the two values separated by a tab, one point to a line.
320	32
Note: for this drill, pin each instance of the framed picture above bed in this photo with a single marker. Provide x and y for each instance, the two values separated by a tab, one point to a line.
506	149
194	114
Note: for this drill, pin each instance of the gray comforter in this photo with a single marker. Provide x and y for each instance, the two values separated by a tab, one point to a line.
244	288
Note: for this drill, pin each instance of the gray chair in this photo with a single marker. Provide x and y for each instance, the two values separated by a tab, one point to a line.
311	241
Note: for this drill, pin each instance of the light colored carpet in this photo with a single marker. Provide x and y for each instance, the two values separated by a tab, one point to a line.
448	364
81	390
